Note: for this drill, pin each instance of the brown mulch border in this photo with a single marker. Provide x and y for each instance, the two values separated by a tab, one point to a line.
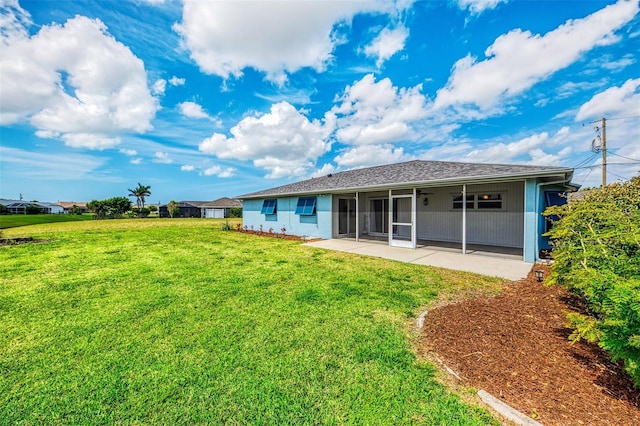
515	346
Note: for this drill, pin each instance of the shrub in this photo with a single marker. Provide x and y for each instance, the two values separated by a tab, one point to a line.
597	255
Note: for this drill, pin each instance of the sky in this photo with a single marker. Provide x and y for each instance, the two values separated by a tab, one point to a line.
202	100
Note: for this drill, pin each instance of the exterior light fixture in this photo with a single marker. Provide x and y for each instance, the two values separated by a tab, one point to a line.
539	274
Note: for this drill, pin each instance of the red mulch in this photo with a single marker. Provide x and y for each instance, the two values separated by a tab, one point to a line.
515	347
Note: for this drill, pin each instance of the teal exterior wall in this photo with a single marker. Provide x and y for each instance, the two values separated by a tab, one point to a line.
531	221
318	225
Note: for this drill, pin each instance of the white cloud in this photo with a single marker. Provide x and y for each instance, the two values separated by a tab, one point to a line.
534	149
476	7
323	171
73	80
277	38
623	100
193	110
187	168
175	81
373	112
89	141
370	155
137	160
519	59
219	172
159	87
162	157
51	166
387	44
128	152
283	141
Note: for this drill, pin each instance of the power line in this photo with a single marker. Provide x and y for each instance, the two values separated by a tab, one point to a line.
622	156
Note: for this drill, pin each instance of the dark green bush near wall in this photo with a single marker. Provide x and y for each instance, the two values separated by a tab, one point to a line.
596	247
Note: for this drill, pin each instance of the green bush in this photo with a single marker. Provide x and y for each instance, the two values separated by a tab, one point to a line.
597	255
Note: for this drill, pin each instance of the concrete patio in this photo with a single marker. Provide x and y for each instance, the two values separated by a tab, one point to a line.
483	260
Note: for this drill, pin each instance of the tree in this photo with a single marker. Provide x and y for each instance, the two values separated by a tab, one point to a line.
596	248
140	192
173	208
110	208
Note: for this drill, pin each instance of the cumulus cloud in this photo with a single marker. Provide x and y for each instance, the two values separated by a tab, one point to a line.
387	44
476	7
175	81
162	157
137	160
193	110
277	38
187	168
323	171
615	100
283	141
159	87
72	81
370	155
534	149
219	172
373	112
519	59
128	152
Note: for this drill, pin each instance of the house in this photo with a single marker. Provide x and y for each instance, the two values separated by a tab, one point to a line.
219	208
68	206
497	205
28	207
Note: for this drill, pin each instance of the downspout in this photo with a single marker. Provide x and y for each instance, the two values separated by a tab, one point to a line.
536	245
464	218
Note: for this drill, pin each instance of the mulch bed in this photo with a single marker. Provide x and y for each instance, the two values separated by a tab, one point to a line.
515	347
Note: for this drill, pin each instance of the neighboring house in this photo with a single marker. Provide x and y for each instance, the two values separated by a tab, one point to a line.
68	206
219	208
419	201
21	206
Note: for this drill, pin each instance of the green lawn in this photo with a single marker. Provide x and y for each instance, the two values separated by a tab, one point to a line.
177	322
14	220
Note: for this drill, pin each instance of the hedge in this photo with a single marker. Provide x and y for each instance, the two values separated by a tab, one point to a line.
596	251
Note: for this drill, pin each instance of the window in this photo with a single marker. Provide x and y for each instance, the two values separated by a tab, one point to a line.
489	201
306	206
457	202
269	206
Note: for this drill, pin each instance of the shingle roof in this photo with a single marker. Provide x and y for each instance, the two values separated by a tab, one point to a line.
411	173
220	203
223	203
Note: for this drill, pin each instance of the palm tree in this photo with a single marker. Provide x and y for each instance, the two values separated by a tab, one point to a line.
140	192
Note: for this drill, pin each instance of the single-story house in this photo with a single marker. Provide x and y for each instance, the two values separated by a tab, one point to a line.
69	205
219	208
21	206
404	203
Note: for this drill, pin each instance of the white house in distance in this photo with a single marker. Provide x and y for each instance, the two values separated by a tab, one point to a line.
496	205
21	206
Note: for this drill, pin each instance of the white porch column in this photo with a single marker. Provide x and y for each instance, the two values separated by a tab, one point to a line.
414	216
464	218
357	217
390	226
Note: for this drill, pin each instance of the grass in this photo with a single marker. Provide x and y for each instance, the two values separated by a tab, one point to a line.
176	322
15	220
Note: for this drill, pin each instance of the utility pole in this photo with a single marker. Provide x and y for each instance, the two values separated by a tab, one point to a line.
604	152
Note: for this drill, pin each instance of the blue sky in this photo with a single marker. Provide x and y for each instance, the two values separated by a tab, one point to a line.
202	100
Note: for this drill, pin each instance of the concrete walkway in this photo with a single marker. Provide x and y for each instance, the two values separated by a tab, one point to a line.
493	264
